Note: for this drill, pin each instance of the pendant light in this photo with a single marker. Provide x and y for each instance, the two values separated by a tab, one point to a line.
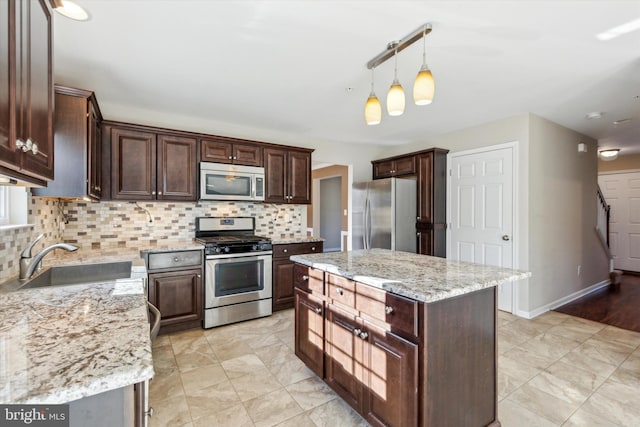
395	96
423	87
372	109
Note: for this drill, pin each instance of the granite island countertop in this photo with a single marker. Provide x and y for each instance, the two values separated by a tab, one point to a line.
63	343
290	240
419	277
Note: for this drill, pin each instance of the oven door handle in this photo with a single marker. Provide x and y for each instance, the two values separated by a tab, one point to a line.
240	255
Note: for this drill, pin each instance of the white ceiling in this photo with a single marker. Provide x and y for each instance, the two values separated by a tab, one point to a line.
279	70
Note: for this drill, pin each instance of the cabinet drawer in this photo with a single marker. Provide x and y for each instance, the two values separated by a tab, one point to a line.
400	313
174	260
341	290
309	279
289	249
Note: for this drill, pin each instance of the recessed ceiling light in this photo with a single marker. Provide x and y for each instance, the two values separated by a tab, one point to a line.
594	115
72	10
614	32
621	121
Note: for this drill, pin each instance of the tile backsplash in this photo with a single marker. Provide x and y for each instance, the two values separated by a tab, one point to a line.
126	225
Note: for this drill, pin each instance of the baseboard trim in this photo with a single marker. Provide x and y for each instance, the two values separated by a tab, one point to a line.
562	301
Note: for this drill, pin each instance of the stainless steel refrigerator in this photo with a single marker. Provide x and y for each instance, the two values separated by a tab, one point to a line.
384	214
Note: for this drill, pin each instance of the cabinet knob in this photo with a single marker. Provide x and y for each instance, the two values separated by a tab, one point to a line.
198	276
176	259
313	248
305	277
339	291
159	193
356	332
363	335
388	309
285	250
418	234
318	310
418	218
235	157
19	144
153	193
230	157
98	188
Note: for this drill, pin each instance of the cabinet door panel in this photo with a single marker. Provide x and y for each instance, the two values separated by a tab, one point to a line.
392	397
309	331
178	295
247	154
425	241
344	358
274	169
133	166
38	88
95	153
299	175
176	168
425	188
216	151
383	169
282	284
9	156
405	166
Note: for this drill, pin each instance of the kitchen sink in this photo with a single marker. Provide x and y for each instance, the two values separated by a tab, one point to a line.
83	273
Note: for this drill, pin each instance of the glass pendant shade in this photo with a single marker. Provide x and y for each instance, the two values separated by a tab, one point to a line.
395	99
423	87
373	110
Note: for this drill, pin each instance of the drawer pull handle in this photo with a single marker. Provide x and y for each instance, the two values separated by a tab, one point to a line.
305	277
356	332
363	335
388	309
318	310
339	291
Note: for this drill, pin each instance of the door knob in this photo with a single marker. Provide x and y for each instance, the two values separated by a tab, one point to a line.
506	237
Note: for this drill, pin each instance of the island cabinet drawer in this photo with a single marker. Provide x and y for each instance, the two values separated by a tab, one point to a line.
173	260
287	250
309	279
341	290
400	313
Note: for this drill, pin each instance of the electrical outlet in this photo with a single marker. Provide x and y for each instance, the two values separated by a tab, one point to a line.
287	217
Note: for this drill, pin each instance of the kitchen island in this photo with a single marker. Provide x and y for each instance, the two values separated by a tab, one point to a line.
76	344
404	339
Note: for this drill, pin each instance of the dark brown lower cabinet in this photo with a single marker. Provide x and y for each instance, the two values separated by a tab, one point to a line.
373	370
282	268
178	296
309	331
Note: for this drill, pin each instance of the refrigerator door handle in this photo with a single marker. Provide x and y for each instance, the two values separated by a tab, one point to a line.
367	222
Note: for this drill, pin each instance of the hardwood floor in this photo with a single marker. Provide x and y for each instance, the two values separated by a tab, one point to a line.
613	306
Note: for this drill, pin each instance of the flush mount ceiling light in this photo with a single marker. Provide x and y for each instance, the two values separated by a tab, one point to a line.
71	10
594	115
423	88
608	155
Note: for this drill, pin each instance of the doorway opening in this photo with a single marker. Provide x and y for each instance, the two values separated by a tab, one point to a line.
328	216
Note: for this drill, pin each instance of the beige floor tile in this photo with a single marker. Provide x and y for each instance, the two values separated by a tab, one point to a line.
301	420
542	404
161	341
582	418
506	316
511	414
529	328
170	413
272	408
231	349
582	359
570	392
291	371
336	413
568	372
234	415
249	364
210	400
529	357
254	385
163	359
507	385
551	318
287	338
517	369
608	352
620	336
195	358
571	331
197	378
274	354
310	392
165	385
550	346
586	324
613	402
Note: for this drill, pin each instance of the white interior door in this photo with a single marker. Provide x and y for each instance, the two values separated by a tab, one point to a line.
622	193
482	213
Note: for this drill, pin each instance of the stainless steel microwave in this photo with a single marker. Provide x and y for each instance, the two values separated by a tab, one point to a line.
219	181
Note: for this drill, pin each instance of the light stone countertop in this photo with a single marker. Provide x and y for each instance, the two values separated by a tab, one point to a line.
63	343
284	241
419	277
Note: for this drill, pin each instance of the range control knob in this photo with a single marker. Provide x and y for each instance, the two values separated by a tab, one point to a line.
255	247
226	249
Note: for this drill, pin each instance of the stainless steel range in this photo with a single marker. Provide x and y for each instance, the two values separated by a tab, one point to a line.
237	270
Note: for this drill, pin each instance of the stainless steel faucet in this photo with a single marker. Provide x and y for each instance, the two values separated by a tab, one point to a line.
30	264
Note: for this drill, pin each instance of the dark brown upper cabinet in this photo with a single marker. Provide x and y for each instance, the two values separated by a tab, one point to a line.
77	146
145	165
26	90
287	176
387	168
222	150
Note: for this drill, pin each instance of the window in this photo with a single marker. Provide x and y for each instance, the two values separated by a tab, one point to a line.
13	206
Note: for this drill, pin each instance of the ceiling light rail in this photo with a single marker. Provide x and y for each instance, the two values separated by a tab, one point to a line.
423	88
